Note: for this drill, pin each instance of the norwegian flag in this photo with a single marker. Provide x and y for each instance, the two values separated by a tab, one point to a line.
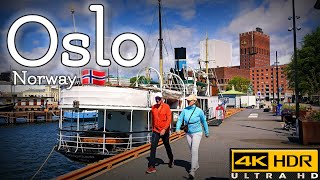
95	77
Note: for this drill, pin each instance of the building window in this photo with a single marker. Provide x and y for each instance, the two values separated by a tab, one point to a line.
257	78
267	69
252	78
257	70
252	74
245	51
261	77
261	74
257	74
240	51
253	71
266	77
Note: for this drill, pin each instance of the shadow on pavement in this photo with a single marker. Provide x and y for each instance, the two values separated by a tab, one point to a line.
264	129
157	162
182	163
260	120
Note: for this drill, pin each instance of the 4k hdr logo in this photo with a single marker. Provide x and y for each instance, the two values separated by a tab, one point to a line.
277	160
251	161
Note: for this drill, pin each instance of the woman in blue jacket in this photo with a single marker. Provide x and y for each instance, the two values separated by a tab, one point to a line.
195	131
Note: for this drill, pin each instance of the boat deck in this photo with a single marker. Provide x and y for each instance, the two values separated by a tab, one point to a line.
250	128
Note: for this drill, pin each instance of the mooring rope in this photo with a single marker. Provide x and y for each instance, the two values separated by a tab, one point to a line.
43	163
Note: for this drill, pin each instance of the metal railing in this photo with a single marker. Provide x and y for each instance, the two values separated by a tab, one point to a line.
100	142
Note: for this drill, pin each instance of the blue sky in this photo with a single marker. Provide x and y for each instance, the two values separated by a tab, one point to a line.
185	24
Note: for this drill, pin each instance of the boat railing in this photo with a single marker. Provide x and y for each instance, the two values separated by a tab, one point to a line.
101	142
86	126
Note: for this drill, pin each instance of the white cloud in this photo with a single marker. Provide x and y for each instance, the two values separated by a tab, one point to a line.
36	42
189	14
186	8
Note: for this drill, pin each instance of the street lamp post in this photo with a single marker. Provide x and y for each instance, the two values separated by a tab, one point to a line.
294	28
278	89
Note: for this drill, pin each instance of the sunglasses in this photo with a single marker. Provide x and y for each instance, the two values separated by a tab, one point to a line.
158	99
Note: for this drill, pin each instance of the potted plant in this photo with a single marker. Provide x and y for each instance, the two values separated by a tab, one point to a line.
274	107
287	111
302	111
310	128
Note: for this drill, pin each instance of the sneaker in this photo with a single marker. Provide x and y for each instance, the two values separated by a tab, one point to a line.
191	175
170	163
151	170
194	169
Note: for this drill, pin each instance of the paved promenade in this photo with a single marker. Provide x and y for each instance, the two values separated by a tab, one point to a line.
250	128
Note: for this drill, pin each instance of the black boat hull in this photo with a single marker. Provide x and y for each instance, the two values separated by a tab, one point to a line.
6	107
86	158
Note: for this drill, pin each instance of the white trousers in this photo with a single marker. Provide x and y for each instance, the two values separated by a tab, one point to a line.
194	142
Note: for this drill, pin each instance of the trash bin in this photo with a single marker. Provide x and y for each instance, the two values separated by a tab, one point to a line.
279	108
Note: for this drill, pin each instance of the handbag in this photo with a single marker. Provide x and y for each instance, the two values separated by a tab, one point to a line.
185	128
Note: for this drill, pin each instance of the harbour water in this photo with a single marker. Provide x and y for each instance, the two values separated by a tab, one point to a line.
24	147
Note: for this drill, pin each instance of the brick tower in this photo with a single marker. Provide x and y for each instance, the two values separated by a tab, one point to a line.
254	49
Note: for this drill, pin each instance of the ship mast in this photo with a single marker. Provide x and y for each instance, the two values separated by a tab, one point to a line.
160	44
207	62
75	30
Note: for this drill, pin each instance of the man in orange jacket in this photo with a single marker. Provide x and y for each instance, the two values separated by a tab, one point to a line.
161	120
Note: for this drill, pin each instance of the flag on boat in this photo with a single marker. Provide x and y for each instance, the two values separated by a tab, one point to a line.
95	77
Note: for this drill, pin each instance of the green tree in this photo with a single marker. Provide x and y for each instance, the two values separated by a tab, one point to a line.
308	58
240	84
134	79
142	79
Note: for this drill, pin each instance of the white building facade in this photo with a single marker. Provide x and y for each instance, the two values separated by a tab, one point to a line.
219	53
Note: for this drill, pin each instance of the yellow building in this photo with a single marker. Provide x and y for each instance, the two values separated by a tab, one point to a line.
48	91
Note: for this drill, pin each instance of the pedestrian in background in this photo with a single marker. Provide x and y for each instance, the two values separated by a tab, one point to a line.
193	117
